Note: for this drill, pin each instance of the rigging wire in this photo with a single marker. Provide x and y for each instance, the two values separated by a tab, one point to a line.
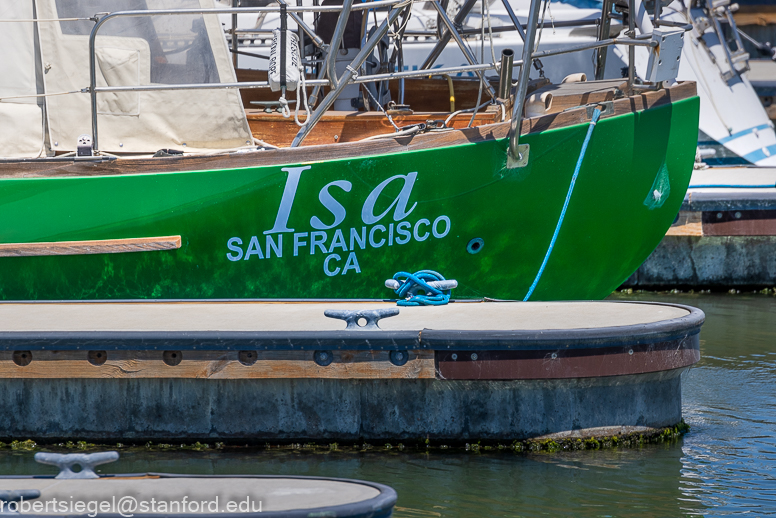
482	60
37	20
35	96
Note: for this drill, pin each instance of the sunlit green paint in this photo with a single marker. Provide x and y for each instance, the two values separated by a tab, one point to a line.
608	230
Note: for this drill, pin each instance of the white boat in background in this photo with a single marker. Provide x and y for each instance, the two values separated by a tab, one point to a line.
733	121
734	127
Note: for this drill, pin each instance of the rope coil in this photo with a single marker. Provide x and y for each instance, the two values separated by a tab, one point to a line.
408	285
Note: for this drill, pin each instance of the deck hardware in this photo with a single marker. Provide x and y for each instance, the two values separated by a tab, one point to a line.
323	358
475	245
6	497
172	358
522	156
84	146
270	106
474	357
630	352
606	107
505	73
398	109
87	462
454	356
554	356
247	357
452	32
353	317
399	358
447	284
97	358
514	153
22	358
422	288
663	64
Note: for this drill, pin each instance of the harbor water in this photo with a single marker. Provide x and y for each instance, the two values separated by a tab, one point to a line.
725	465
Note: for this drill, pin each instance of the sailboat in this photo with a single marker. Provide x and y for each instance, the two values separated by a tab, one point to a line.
734	129
134	169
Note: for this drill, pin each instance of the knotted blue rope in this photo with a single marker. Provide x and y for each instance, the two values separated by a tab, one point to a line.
411	283
596	115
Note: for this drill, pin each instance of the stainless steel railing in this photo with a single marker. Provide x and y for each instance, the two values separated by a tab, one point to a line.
351	75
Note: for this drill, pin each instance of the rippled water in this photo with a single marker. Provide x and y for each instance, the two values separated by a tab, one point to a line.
726	465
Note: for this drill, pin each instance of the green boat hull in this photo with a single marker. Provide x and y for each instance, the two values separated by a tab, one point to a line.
339	228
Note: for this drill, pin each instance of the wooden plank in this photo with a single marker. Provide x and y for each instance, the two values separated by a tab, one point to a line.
218	365
570	95
690	229
342	127
739	223
636	103
433	95
762	18
104	246
688	223
46	168
430	95
569	364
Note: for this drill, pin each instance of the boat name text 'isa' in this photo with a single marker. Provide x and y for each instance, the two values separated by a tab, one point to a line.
328	239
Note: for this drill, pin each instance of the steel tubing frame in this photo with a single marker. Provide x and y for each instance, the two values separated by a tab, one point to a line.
155	12
466	52
445	39
351	76
346	78
522	85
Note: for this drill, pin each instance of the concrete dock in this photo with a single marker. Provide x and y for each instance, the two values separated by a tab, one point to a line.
724	236
285	371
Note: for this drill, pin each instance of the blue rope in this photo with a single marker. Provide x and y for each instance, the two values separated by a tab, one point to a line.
410	282
596	115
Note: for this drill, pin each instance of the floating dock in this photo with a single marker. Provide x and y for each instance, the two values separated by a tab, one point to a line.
724	236
85	493
369	370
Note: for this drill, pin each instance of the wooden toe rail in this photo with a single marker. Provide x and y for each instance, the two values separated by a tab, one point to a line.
104	246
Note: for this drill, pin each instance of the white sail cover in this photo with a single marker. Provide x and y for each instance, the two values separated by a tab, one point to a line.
145	50
21	113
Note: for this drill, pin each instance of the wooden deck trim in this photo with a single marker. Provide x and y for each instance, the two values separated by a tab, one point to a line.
688	223
126	364
690	229
41	168
104	246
